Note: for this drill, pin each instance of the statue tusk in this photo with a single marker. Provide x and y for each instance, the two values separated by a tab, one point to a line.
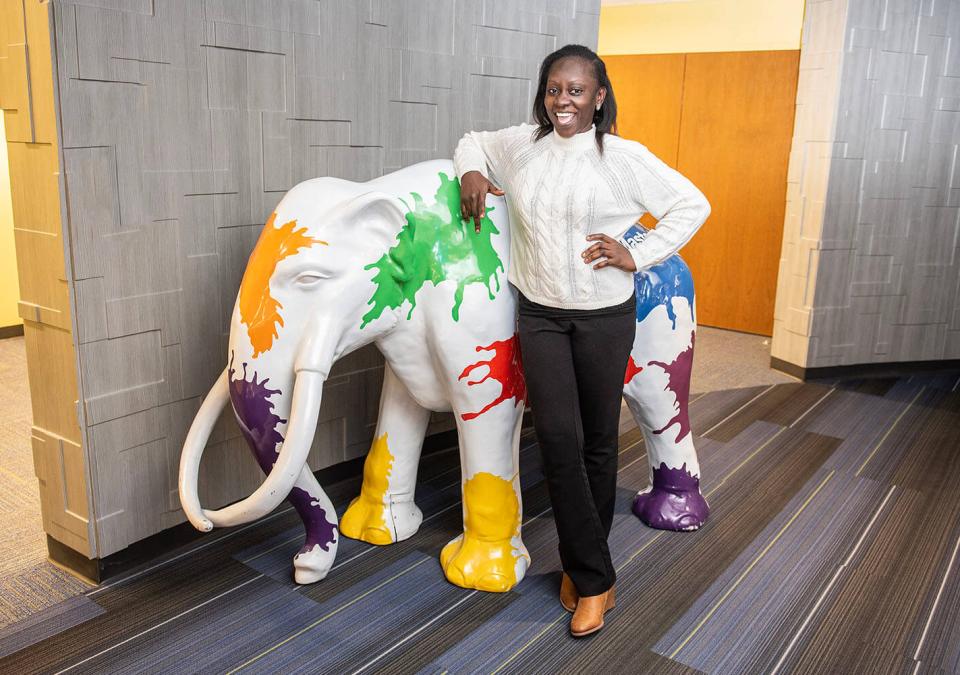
305	410
192	452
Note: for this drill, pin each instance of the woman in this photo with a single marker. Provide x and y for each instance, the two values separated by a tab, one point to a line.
573	188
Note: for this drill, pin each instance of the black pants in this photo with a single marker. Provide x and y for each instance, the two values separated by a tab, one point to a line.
574	362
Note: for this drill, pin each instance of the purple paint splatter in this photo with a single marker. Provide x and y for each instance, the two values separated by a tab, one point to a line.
254	411
678	373
320	532
258	423
674	502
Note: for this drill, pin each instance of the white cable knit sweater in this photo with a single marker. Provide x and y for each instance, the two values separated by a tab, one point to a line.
559	190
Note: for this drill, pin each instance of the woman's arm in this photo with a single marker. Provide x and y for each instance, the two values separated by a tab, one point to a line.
478	155
669	196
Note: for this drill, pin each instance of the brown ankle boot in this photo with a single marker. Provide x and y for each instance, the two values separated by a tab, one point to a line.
588	618
568	593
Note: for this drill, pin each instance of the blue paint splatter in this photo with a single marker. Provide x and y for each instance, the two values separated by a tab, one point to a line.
660	284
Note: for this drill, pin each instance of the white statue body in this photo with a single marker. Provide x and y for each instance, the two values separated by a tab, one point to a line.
340	265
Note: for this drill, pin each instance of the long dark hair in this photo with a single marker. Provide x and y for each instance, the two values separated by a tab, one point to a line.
605	119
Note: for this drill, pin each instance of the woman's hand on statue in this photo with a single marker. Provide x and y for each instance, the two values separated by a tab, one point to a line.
474	188
610	251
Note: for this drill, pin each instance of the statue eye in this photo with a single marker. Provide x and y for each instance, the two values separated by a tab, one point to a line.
310	278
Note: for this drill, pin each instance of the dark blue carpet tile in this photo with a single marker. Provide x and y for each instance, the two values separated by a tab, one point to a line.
663	577
184	586
905	389
938	637
276	560
229	628
359	624
781	405
47	622
506	633
766	594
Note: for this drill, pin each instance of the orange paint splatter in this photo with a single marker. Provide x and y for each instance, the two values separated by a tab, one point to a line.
632	370
506	367
258	309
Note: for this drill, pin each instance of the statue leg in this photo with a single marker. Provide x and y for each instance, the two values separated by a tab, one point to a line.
657	392
316	556
385	511
489	555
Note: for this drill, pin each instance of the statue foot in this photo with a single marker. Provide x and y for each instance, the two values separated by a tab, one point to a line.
673	502
494	566
312	563
371	521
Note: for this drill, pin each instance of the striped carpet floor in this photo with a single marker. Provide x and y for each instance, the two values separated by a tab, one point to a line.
832	548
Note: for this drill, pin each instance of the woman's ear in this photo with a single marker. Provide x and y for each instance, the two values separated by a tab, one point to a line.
601	95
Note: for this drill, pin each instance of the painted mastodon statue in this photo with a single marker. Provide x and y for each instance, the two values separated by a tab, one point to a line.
340	265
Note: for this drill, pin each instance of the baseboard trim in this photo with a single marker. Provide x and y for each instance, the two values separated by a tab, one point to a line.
73	562
11	331
98	570
892	369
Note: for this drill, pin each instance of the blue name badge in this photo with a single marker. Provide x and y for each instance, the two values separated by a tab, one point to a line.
634	235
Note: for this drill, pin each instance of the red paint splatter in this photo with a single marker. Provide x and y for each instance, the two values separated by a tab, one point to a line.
679	383
506	367
632	370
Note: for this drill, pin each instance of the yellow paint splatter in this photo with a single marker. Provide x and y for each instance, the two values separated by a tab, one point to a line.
366	517
484	558
258	309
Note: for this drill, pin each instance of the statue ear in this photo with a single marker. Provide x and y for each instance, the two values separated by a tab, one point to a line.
375	218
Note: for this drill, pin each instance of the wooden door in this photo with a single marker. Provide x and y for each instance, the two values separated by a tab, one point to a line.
725	121
738	111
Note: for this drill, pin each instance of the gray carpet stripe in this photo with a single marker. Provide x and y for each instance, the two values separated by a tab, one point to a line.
759	600
825	592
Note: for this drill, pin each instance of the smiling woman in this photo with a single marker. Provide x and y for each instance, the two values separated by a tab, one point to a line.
574	191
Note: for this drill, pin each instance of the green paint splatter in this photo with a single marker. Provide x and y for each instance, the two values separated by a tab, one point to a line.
435	245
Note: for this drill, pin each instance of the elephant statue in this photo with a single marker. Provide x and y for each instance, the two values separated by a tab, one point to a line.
339	265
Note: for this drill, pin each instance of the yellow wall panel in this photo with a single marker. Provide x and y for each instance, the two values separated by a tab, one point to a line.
701	26
9	287
27	100
42	106
35	197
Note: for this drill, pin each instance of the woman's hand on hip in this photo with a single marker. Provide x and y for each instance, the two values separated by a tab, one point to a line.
474	188
610	252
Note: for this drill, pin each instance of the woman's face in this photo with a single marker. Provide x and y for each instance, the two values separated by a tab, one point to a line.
572	96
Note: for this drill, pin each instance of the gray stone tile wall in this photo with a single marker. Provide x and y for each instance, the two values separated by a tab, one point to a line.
183	123
870	271
889	273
